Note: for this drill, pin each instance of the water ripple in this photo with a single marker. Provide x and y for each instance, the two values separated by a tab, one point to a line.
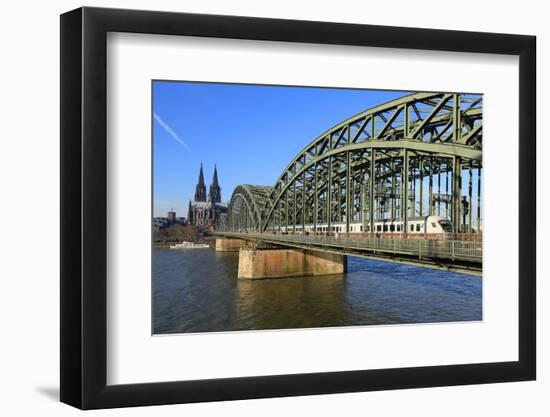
198	291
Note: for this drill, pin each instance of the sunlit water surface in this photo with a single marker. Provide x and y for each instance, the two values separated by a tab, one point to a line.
198	291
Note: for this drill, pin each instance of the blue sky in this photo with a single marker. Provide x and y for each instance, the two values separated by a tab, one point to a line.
250	132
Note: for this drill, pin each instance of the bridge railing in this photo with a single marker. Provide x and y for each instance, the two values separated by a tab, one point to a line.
429	248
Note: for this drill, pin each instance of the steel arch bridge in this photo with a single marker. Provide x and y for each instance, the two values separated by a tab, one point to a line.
414	156
246	205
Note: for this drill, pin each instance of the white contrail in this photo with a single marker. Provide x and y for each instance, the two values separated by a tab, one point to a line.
169	130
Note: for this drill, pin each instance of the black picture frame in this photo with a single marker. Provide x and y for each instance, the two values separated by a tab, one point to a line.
84	207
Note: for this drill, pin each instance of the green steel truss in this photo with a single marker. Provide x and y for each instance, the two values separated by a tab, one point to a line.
417	155
245	208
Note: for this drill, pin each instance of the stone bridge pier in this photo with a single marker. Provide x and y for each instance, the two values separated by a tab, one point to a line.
259	260
259	263
229	244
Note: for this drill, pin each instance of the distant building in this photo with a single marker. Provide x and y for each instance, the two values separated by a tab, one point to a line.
203	210
172	217
169	220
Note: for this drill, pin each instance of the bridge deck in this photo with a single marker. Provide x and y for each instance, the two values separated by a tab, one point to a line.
463	256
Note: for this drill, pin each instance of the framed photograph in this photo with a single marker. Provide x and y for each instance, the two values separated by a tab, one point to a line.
257	208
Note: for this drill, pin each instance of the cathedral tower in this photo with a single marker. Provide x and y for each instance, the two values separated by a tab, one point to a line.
200	191
203	213
215	193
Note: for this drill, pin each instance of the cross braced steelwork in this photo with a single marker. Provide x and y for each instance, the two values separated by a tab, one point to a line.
400	159
244	211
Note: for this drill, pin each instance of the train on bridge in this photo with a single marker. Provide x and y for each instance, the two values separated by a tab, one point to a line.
426	227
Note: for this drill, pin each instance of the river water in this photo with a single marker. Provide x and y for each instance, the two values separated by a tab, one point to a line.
198	291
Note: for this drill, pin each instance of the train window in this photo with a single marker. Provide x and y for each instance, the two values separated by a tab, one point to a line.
385	228
378	228
446	225
368	228
392	228
398	227
361	227
418	227
412	227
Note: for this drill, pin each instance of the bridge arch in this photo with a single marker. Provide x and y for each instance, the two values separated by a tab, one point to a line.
377	164
416	155
244	210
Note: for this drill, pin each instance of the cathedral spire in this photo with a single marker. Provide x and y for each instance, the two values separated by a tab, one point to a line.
215	179
215	192
201	177
200	191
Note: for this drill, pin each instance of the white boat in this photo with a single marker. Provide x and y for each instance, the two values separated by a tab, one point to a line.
189	245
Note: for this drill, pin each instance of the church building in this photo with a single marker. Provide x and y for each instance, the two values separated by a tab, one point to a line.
206	211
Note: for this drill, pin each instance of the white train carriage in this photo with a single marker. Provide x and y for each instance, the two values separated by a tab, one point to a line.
425	225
